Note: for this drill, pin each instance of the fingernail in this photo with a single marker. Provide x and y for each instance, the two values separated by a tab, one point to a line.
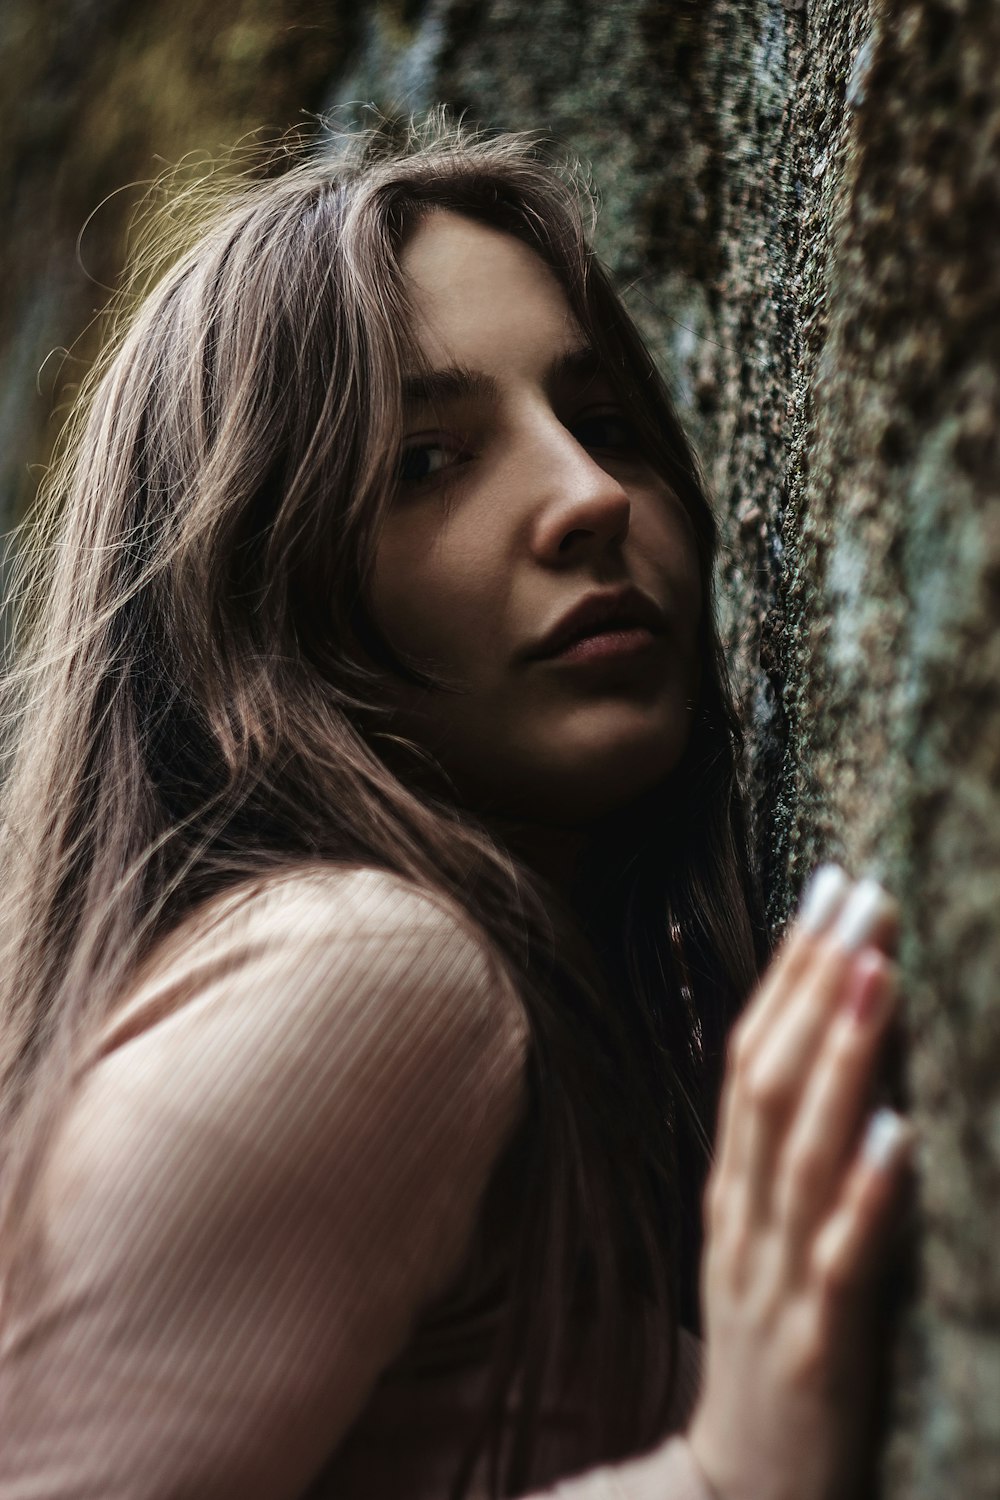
867	907
887	1138
871	988
822	898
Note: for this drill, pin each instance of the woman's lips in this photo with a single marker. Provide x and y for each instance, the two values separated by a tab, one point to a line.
615	612
613	643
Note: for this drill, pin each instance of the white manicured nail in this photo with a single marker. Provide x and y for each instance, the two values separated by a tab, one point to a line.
822	898
887	1137
868	905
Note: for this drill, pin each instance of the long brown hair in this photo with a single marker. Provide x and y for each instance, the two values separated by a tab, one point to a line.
188	710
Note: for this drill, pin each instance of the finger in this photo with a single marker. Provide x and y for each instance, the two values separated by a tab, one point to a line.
865	910
770	1083
825	1126
825	896
822	900
851	1244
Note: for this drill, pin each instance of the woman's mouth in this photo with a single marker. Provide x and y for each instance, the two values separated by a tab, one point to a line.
613	643
606	625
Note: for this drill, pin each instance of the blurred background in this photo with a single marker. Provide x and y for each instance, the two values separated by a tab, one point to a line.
802	199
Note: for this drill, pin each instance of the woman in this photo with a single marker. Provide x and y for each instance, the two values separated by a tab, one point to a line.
377	902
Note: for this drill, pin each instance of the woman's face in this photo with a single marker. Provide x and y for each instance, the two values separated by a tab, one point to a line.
532	558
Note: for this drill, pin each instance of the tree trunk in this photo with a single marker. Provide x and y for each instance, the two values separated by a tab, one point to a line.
804	200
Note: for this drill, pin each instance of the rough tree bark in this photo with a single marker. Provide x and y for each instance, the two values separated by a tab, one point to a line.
803	198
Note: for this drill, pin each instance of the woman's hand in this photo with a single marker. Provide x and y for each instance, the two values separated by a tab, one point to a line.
799	1208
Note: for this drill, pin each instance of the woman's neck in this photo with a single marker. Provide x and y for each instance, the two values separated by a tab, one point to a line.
555	854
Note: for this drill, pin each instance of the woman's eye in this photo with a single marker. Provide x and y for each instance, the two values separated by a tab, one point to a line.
605	430
424	461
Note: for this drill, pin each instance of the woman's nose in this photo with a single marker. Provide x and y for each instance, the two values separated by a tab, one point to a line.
582	508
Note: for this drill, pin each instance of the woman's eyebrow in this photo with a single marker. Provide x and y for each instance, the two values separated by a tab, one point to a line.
450	384
580	364
457	382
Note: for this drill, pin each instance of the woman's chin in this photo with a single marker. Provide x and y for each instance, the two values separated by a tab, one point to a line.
576	792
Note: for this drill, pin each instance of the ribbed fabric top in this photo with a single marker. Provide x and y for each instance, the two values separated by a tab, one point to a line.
255	1264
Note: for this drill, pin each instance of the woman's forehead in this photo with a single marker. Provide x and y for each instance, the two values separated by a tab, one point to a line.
477	293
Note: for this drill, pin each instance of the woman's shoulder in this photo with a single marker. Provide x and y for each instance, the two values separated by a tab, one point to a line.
319	933
344	901
276	1163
